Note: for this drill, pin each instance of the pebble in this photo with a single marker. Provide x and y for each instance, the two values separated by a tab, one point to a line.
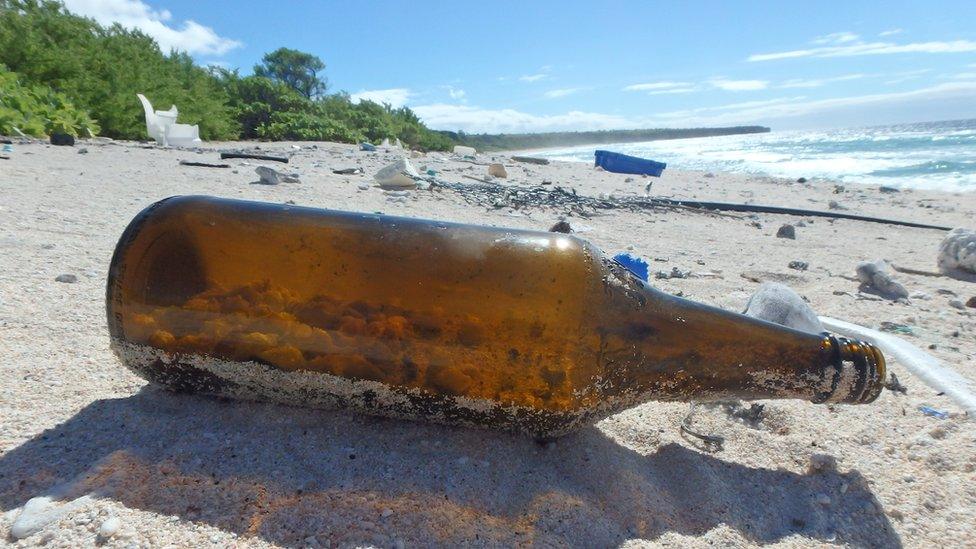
971	302
363	187
957	304
386	513
109	527
786	231
834	205
799	265
66	278
82	151
561	227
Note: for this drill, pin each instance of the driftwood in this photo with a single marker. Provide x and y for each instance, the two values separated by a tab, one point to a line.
202	164
531	160
494	195
225	155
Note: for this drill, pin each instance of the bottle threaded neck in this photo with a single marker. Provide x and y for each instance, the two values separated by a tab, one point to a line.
859	371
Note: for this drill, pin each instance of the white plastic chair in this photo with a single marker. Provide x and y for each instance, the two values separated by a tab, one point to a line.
162	126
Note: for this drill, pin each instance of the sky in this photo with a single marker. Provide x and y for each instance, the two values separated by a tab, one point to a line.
551	65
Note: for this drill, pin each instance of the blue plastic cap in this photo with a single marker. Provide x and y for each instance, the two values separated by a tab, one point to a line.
634	264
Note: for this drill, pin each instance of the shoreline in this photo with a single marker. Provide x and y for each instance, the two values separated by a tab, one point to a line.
188	471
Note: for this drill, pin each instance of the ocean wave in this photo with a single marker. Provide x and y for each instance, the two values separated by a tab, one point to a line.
927	168
940	155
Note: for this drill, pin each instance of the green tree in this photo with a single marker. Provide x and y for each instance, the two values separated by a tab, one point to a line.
298	69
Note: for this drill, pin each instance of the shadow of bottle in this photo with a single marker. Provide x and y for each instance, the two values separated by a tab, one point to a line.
284	474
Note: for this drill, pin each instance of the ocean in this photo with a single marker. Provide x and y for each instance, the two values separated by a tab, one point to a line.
928	155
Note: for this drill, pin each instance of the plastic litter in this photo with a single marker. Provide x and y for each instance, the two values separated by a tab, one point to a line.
622	163
364	146
461	150
925	366
929	411
958	251
400	174
874	276
777	303
497	170
8	148
162	126
634	264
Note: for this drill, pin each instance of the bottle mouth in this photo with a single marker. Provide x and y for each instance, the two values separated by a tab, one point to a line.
859	371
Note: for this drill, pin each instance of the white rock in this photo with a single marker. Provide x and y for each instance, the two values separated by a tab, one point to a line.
958	251
461	150
271	176
778	303
400	174
110	527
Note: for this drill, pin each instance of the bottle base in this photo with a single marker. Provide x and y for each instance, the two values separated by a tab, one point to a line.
254	381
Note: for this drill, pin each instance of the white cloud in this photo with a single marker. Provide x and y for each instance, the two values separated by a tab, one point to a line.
890	32
899	77
943	101
655	86
554	94
189	36
872	48
396	97
965	76
476	119
738	85
533	77
455	93
817	82
836	38
892	104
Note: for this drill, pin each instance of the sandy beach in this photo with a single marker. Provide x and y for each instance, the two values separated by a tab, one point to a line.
189	471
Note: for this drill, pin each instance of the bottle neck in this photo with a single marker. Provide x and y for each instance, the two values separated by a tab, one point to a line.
668	348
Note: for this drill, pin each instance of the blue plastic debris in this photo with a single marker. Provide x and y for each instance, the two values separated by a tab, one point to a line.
634	264
364	146
929	411
8	148
622	163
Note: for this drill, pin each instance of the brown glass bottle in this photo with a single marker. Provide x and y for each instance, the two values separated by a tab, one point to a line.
527	331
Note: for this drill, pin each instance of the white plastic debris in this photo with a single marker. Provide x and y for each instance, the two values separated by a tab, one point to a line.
779	304
958	251
42	511
461	150
875	275
400	174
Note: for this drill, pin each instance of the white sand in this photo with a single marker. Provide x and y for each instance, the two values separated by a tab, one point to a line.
186	471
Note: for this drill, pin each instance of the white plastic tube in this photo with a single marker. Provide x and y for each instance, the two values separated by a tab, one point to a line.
925	366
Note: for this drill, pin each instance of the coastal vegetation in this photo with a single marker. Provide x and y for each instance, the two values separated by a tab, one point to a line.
62	73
